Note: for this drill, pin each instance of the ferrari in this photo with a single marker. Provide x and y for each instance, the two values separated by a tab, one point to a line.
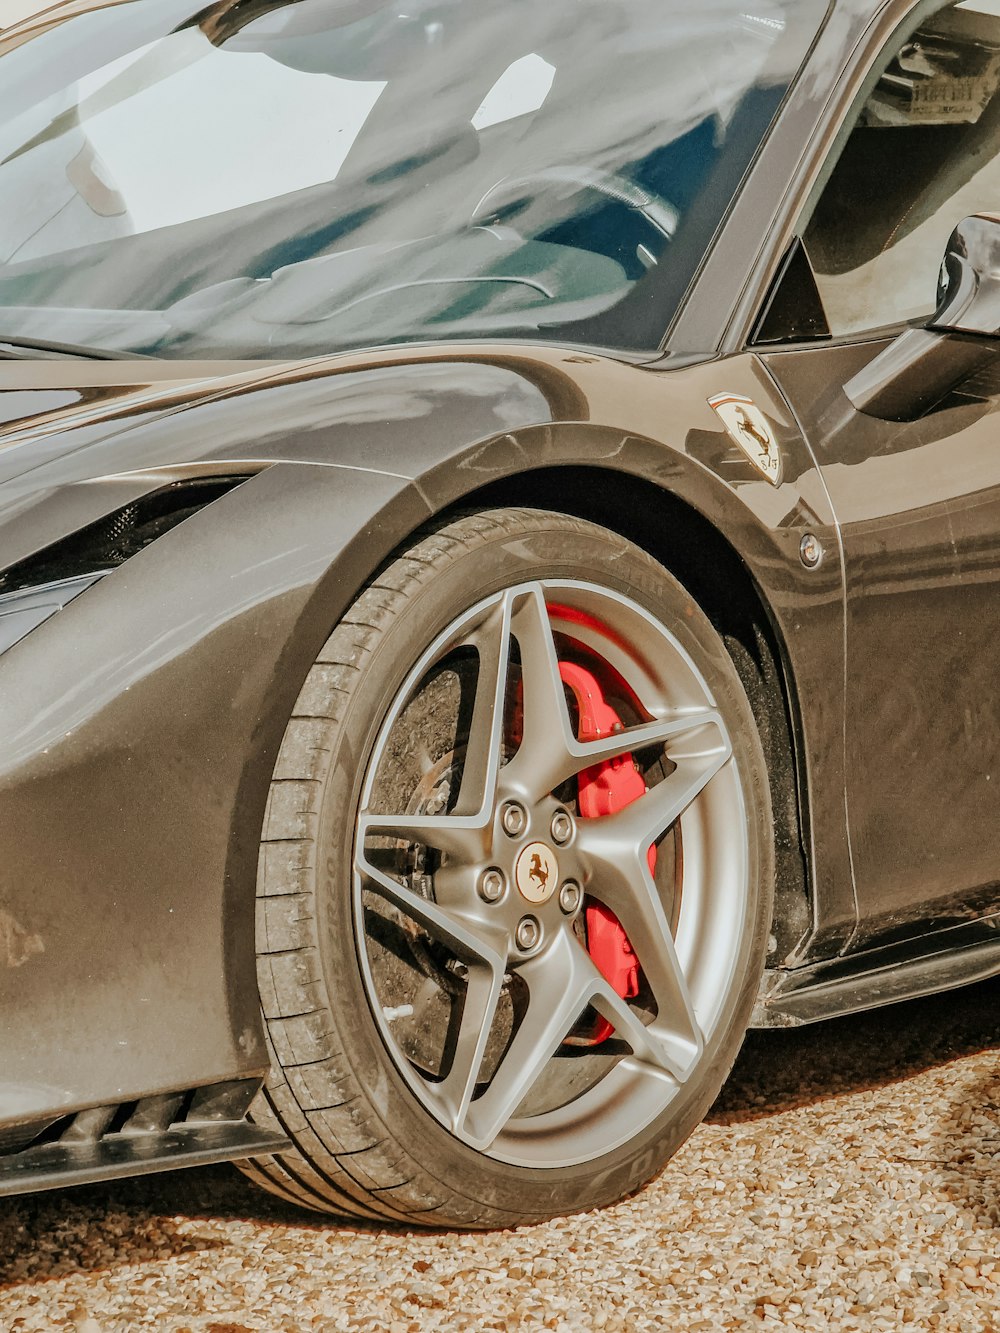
499	563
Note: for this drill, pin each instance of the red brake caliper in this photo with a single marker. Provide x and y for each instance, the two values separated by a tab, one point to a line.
606	787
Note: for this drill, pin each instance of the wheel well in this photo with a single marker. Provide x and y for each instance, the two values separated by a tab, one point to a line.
687	544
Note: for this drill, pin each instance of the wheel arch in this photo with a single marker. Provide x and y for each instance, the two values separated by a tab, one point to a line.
700	556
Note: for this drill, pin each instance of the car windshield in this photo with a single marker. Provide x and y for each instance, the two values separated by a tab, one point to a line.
256	179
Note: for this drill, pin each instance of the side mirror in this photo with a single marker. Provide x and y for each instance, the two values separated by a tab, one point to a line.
923	365
969	287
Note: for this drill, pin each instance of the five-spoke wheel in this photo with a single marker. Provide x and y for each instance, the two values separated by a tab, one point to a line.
479	993
531	950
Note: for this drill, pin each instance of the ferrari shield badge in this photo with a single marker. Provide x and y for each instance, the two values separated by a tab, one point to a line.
747	425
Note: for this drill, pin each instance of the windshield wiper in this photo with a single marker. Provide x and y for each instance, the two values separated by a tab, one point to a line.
57	349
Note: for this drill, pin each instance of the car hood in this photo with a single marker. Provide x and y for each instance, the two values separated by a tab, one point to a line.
48	408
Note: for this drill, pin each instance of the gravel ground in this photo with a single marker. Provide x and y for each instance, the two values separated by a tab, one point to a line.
848	1178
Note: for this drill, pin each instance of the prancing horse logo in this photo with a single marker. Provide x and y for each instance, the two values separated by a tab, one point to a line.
537	872
748	427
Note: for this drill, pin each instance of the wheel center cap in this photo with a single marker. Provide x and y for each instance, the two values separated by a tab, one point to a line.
537	872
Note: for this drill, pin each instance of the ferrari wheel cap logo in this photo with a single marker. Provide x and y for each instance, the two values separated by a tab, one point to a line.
537	872
746	424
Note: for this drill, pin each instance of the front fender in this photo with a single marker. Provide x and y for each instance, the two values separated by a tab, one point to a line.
140	727
142	721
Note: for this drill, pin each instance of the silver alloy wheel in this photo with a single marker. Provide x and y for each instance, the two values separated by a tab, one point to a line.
478	1011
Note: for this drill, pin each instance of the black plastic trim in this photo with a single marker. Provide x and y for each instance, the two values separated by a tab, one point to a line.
957	956
57	1165
793	309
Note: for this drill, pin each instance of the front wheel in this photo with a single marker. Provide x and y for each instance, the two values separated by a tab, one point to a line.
515	882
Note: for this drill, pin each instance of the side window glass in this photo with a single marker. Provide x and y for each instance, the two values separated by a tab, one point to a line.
923	153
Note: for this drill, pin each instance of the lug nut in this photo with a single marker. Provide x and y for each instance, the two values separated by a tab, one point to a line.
514	819
492	885
562	827
570	897
528	933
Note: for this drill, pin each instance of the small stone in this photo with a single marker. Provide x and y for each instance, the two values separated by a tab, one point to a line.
775	1298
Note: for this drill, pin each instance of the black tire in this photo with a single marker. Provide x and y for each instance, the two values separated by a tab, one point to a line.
365	1144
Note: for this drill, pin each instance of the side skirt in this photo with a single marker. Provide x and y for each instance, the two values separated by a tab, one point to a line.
192	1128
56	1165
956	956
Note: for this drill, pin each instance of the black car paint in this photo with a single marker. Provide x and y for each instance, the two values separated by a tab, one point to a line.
155	699
197	646
918	504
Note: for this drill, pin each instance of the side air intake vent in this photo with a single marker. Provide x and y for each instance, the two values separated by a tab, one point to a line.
108	543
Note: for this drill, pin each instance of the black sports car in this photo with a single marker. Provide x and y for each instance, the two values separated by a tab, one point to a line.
499	511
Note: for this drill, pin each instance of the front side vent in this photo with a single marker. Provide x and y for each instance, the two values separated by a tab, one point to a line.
104	545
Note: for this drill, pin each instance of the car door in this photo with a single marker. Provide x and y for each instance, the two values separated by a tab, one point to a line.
918	498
